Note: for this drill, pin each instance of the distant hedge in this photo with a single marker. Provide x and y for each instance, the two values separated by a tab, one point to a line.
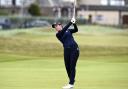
2	12
49	19
17	21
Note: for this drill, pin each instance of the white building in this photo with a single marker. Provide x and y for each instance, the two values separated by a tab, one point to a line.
57	8
5	3
19	3
26	3
110	12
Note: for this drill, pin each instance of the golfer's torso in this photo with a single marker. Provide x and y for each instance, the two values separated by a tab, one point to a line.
67	40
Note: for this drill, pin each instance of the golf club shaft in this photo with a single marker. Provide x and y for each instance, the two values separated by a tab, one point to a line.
74	10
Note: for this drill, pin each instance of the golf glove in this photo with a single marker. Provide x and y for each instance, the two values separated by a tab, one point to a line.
73	20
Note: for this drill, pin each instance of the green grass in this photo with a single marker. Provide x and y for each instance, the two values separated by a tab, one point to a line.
48	73
93	41
32	59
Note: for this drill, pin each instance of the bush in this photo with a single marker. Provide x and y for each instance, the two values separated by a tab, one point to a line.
16	21
3	12
34	10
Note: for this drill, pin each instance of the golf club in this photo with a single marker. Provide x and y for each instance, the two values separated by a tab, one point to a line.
74	10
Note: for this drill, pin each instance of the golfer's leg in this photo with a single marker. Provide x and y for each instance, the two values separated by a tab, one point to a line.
67	60
74	57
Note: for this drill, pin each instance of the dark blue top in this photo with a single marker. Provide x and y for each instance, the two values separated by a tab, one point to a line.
65	36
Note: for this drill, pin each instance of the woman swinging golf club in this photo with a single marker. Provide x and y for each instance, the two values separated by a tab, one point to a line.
71	50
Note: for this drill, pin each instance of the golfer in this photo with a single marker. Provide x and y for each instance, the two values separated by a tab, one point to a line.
71	49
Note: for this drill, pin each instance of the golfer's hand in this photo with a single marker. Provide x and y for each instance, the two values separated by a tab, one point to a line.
73	20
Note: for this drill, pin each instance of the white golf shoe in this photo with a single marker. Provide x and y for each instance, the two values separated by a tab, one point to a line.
69	86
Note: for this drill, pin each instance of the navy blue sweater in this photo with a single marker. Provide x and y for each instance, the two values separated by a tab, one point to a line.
65	36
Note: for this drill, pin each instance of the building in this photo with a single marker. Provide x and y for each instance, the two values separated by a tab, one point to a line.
110	12
15	6
57	8
5	3
18	3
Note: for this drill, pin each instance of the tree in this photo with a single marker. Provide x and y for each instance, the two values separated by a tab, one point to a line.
34	10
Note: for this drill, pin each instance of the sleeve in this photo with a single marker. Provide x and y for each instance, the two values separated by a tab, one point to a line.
64	29
75	29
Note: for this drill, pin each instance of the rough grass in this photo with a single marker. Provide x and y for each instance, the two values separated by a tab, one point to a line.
93	41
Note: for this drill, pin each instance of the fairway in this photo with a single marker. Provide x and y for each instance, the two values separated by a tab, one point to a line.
49	73
33	59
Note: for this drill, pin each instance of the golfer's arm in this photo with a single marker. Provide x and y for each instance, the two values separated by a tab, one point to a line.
75	29
66	27
60	34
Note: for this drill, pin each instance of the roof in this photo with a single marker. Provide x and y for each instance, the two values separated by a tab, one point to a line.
54	3
103	8
44	3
